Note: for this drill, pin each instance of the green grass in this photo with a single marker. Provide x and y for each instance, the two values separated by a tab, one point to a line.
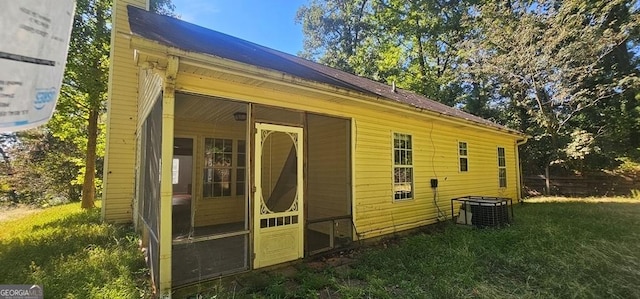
72	254
554	250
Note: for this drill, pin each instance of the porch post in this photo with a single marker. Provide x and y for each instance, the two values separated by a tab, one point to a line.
166	187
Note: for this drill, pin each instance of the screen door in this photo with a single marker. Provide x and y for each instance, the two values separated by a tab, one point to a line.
278	206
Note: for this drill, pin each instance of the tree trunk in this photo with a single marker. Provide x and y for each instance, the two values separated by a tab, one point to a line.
547	180
423	64
88	187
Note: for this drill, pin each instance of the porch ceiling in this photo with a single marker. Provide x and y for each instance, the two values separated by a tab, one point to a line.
206	109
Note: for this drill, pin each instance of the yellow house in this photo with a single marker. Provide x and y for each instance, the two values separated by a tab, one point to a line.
230	156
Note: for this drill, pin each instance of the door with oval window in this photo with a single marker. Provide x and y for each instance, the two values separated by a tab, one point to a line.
278	205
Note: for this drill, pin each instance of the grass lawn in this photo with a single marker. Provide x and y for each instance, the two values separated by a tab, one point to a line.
554	250
71	254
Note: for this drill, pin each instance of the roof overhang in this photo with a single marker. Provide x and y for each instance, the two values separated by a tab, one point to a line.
150	52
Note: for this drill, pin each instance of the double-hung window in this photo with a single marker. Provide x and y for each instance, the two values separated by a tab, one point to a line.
224	167
463	156
502	168
402	166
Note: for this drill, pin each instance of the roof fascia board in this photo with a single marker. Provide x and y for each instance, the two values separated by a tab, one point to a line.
219	64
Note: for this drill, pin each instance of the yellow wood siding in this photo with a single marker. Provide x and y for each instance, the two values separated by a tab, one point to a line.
122	109
434	144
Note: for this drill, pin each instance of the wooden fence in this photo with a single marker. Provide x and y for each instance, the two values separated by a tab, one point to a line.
591	185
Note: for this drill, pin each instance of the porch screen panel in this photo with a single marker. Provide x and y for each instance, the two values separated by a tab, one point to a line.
218	240
328	195
195	261
150	165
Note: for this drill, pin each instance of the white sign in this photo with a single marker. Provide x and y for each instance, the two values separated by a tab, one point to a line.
34	40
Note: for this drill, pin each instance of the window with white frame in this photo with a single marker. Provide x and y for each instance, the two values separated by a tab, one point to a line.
402	166
224	167
502	168
463	156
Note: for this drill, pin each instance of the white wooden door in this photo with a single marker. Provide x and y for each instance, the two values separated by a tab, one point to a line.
278	201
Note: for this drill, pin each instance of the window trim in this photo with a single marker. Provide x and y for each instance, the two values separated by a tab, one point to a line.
502	168
394	166
236	168
460	156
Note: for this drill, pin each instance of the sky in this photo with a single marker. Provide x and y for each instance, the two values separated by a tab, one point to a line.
270	23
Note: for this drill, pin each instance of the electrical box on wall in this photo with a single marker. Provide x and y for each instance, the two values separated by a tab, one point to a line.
434	183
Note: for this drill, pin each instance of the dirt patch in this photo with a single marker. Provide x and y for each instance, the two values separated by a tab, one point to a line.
8	213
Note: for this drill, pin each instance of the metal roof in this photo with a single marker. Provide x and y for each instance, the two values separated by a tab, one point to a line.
193	38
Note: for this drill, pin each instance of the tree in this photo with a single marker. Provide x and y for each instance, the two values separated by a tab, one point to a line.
85	85
163	7
334	30
429	32
410	43
39	169
550	61
84	90
563	71
615	121
62	161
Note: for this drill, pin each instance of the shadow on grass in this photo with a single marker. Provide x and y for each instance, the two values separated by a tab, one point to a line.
83	217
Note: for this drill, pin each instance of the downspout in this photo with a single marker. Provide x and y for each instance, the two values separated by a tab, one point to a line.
519	167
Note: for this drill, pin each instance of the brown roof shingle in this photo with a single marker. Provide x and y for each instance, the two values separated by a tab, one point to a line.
190	37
